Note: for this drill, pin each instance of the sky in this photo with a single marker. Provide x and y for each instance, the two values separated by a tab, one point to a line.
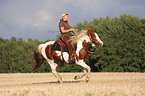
38	19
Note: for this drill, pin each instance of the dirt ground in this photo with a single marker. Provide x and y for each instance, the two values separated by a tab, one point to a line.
45	84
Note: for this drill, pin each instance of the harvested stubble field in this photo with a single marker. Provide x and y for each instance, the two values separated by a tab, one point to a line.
45	84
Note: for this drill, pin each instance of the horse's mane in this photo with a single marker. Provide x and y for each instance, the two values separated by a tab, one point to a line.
78	36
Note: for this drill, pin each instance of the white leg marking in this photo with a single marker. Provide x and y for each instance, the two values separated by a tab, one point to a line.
54	72
84	65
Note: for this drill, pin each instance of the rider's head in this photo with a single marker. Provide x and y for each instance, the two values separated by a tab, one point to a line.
65	17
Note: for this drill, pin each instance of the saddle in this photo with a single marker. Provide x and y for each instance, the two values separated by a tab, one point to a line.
60	45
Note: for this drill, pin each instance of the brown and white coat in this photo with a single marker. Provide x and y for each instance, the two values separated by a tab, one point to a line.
83	41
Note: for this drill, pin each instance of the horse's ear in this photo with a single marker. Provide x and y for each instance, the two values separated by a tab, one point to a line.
90	29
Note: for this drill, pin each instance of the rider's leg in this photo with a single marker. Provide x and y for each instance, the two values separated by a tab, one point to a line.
70	48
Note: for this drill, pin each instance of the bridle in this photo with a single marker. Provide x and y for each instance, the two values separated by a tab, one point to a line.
92	40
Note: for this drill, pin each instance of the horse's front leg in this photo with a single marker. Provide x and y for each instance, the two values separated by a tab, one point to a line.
81	76
88	75
87	70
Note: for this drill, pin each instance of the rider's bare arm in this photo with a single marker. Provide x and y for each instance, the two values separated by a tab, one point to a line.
65	31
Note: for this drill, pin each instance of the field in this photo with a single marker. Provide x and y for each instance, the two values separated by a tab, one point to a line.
45	84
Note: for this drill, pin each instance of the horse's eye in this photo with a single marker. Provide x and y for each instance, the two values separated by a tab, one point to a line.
94	36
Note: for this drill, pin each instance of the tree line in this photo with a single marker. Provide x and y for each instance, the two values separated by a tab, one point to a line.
123	49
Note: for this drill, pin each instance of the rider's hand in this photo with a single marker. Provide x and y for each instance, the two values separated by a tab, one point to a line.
73	29
76	29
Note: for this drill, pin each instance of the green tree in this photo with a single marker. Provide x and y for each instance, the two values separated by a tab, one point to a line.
123	49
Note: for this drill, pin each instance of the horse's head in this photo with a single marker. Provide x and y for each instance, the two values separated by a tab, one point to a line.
94	38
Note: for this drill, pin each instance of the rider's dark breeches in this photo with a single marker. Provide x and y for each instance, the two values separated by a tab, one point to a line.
69	44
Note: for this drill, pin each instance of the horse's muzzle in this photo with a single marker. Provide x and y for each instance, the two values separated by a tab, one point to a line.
101	44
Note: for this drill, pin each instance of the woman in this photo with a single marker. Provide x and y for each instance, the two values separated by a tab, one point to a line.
66	34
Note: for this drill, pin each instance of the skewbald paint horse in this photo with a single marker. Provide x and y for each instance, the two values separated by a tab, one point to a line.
82	40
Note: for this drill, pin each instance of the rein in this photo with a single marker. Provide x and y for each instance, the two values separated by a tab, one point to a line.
92	52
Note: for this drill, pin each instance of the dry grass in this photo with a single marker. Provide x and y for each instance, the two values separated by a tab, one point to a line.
45	84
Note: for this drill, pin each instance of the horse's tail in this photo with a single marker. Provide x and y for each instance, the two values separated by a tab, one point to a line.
38	57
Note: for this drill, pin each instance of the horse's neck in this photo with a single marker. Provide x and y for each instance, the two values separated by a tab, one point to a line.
80	43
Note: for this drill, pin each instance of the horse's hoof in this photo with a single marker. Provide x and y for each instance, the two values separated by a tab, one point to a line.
60	81
76	77
87	80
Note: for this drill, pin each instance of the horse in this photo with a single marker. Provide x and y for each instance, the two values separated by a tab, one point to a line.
83	40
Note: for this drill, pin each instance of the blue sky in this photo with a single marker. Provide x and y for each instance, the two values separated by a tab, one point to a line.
38	19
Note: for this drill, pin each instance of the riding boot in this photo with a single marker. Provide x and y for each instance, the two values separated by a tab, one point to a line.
71	57
70	49
71	53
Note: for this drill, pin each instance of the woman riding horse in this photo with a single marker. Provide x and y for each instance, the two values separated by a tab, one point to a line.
66	34
83	40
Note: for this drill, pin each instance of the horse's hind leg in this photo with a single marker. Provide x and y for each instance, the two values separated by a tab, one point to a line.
54	72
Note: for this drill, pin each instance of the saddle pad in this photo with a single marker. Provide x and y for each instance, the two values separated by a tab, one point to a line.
57	47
